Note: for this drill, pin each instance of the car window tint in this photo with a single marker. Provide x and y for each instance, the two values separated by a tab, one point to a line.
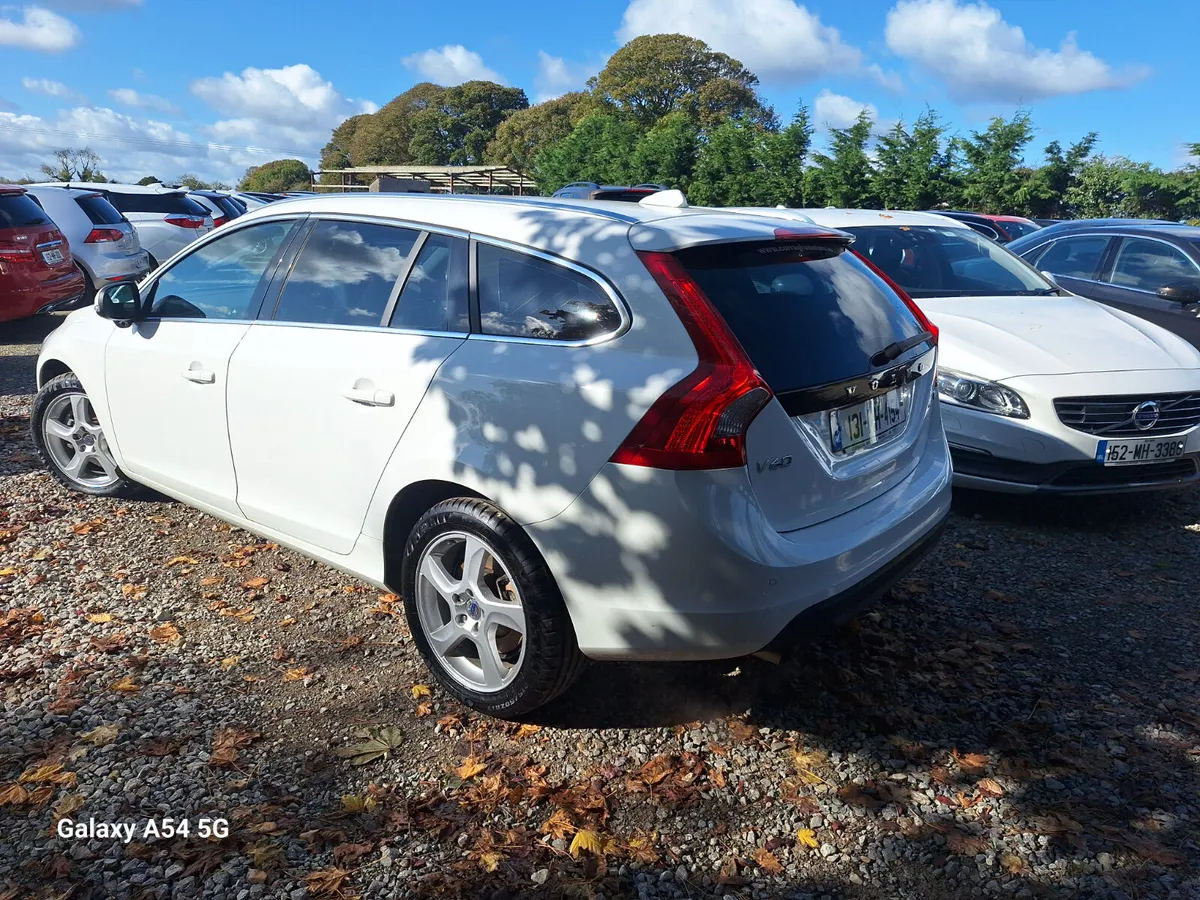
525	296
220	279
20	211
99	210
345	273
167	204
435	293
1149	265
1075	257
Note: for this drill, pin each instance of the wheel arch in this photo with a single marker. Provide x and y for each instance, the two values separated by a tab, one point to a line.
412	502
51	368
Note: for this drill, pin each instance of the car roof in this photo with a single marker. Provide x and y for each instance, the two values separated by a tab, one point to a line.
112	188
850	218
1081	228
72	191
209	193
1187	232
12	189
1007	218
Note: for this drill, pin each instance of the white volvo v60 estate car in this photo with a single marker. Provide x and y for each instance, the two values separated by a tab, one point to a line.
557	429
1041	391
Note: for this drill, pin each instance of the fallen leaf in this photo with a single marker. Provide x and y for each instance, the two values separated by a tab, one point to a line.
125	685
424	709
233	738
490	860
13	795
971	763
133	590
419	691
808	838
806	762
67	806
8	570
287	621
1013	864
965	844
48	773
559	825
378	744
180	561
527	731
211	580
358	803
990	787
99	618
101	735
253	584
766	861
470	768
326	882
297	674
586	841
229	662
166	633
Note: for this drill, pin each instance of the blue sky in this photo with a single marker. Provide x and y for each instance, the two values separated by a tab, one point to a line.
169	86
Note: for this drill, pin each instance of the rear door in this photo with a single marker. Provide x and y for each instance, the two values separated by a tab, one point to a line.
1133	274
846	425
34	252
321	390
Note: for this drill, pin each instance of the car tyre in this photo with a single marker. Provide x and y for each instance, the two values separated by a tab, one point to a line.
71	441
453	616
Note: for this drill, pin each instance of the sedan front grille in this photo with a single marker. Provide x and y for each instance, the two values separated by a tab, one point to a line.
1131	416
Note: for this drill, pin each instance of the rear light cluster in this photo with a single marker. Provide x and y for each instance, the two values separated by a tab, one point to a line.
188	221
219	221
103	235
701	422
14	251
917	312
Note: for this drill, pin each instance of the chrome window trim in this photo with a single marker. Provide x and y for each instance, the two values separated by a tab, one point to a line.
1068	237
1124	235
460	335
1157	240
596	278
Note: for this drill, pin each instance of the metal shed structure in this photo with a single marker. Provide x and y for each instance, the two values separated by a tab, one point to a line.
442	179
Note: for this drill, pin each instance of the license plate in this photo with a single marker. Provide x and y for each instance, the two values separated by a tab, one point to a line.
52	257
1127	453
866	423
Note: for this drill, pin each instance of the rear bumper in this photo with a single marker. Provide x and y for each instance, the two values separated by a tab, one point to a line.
994	473
44	297
658	565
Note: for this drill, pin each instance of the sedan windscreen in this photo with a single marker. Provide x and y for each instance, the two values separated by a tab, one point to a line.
937	261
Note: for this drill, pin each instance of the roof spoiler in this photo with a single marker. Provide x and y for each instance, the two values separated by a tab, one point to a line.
669	199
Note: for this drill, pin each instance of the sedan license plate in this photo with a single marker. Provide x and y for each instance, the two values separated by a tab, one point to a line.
52	257
1138	452
866	423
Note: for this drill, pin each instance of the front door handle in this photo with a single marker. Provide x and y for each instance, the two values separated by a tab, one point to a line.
370	397
199	375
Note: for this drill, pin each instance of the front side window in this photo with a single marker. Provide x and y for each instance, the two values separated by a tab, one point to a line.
1074	257
220	280
944	261
434	297
525	296
1147	265
345	274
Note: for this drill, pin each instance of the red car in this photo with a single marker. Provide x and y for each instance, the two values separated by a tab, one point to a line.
1014	226
37	273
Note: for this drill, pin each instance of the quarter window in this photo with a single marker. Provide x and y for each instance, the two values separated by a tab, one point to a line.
345	274
435	292
1074	257
526	296
1149	265
221	279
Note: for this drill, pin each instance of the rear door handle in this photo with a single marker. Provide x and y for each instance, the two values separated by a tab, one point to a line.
370	397
199	375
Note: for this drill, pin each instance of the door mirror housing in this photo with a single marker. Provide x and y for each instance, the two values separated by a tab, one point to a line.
1184	292
1049	276
121	302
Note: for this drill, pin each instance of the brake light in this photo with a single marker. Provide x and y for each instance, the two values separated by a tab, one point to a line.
188	221
219	221
917	312
103	235
15	251
700	422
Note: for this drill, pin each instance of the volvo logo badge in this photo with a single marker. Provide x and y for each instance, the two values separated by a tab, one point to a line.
1145	415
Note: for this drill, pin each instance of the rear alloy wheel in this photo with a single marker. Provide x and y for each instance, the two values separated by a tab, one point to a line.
485	611
70	439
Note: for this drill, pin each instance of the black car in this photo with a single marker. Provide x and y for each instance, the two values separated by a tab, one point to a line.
1150	270
589	190
1064	225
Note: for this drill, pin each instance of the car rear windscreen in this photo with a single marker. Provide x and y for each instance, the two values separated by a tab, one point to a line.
20	211
99	210
803	320
1017	229
228	206
167	204
630	196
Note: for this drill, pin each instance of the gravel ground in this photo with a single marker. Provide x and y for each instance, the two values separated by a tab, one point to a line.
1018	719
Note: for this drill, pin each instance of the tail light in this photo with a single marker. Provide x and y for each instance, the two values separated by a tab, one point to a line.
11	250
188	221
103	235
701	422
219	221
917	312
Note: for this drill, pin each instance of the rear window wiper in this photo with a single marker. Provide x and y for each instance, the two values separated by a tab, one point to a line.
894	349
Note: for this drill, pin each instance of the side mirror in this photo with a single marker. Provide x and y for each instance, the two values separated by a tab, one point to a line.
1184	292
121	302
1049	276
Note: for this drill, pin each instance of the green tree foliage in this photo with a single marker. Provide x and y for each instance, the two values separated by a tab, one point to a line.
527	131
457	129
845	175
1116	186
783	155
666	153
74	164
195	183
599	149
383	137
657	74
278	175
914	169
1050	184
993	181
149	179
336	154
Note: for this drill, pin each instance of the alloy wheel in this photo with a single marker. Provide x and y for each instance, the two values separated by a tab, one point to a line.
76	442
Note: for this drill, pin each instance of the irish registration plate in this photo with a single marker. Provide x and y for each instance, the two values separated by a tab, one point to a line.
52	257
866	423
1125	453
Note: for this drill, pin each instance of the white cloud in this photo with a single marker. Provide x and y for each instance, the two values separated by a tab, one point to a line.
52	89
450	65
980	56
555	76
39	29
832	110
130	97
778	40
889	81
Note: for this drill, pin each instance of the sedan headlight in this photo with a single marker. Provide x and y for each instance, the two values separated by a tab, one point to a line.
985	396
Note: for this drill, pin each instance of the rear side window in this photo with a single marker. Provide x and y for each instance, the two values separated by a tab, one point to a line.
1075	257
803	320
435	292
99	210
227	206
345	274
167	204
527	296
1147	265
20	211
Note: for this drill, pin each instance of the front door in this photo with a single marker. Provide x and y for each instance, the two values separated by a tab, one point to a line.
321	391
1139	268
166	376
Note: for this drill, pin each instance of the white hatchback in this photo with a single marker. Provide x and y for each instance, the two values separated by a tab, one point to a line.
557	429
1041	390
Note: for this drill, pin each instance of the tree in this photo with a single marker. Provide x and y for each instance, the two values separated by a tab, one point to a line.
599	149
458	129
195	183
992	182
782	155
149	179
729	166
526	132
276	176
1116	186
657	74
74	164
666	154
844	176
336	153
383	137
912	168
1050	184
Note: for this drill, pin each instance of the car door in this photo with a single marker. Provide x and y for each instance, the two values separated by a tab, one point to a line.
166	375
321	390
1138	268
1075	262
